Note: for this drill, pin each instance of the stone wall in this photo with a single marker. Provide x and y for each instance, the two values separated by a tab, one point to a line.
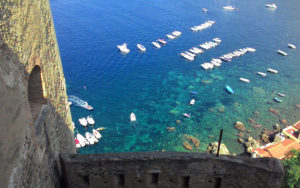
31	142
170	169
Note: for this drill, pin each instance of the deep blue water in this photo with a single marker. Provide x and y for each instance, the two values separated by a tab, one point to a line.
156	85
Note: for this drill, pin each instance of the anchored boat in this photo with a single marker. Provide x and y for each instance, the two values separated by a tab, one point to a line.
123	48
141	47
229	89
282	53
245	80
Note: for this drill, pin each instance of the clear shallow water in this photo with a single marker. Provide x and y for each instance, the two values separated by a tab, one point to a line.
156	85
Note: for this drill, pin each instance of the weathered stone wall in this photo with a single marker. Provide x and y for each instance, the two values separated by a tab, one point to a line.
30	145
170	169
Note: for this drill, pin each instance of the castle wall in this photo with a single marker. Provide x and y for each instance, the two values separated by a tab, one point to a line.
170	169
32	132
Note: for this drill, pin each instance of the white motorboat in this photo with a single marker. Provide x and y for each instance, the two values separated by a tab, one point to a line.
193	51
198	50
156	44
176	33
188	57
262	74
281	94
77	143
83	121
186	115
207	66
83	142
190	54
251	49
100	129
271	5
216	60
79	102
272	71
123	48
245	80
229	7
141	47
90	120
192	102
97	134
90	138
132	117
282	53
69	103
216	64
162	41
292	46
218	40
170	36
204	9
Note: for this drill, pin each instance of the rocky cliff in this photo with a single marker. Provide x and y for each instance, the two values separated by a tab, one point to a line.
35	118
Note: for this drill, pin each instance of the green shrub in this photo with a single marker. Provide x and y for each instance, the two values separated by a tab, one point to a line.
292	171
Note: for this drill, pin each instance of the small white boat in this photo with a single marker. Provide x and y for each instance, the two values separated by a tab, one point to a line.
292	46
97	134
162	41
132	117
245	80
90	120
186	56
261	74
271	5
204	9
272	71
69	103
218	40
83	142
100	129
229	7
141	47
190	54
176	33
192	102
91	138
83	121
77	143
123	48
281	94
282	53
186	115
251	49
156	44
170	36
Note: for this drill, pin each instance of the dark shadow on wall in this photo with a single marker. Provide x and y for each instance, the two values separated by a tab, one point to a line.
31	138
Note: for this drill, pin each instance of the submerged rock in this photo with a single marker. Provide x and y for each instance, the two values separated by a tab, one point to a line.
274	111
178	121
259	90
194	140
206	81
239	126
187	146
170	129
283	121
298	106
221	108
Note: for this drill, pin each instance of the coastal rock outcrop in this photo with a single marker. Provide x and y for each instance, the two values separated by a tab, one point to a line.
251	144
239	126
213	148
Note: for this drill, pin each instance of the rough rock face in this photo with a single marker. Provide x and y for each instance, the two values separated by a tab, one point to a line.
35	118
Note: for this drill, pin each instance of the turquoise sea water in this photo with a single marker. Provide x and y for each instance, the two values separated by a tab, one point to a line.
156	85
